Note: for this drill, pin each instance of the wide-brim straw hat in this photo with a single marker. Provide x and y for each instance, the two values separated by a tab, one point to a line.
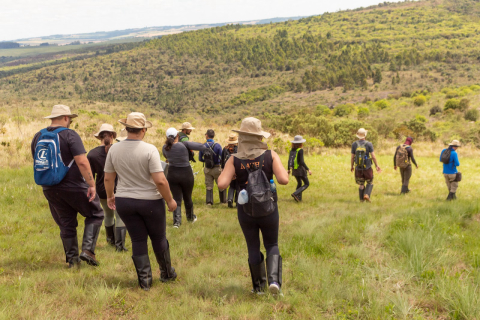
455	143
123	135
105	128
136	120
252	126
187	126
362	133
61	110
232	139
298	139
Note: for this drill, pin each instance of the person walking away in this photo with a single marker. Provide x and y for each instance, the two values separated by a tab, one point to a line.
183	136
142	191
254	167
403	159
297	164
449	157
180	175
231	148
69	189
212	158
114	227
361	163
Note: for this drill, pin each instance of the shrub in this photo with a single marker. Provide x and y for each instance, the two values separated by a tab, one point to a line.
435	110
322	110
346	129
403	131
363	112
420	100
452	94
464	104
452	104
471	115
382	104
343	110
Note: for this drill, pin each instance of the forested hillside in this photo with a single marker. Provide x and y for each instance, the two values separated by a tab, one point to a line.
403	68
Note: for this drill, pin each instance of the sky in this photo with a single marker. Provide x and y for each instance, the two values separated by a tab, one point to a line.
33	18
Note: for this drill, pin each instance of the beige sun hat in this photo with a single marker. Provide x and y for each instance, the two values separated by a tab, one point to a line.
252	126
60	110
455	143
123	135
232	139
361	133
187	126
136	120
106	128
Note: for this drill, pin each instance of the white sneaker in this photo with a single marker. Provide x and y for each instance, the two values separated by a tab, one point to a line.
274	288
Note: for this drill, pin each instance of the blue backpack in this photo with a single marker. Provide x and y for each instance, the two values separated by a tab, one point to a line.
48	166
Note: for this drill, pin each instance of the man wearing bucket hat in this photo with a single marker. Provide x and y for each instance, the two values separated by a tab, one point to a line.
297	163
75	193
114	227
183	136
361	163
212	160
231	148
140	197
449	157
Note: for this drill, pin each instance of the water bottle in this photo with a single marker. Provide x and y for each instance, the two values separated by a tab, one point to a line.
243	197
273	187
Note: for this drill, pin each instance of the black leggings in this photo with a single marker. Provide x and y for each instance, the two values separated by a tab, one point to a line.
181	182
268	225
143	219
306	183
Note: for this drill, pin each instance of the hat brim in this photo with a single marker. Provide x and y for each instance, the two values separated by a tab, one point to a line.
264	134
301	141
148	124
97	135
361	137
231	142
454	145
191	128
73	115
119	139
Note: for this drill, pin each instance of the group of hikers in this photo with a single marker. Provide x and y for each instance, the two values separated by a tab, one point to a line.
127	185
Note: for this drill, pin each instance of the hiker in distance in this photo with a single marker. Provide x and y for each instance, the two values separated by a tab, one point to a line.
180	175
183	136
403	159
69	189
361	163
212	159
296	163
114	227
449	157
140	197
231	148
254	166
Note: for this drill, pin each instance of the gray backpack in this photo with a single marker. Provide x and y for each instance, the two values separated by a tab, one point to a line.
261	200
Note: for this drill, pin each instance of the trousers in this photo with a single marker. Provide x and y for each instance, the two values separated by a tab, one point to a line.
451	184
406	174
111	216
181	181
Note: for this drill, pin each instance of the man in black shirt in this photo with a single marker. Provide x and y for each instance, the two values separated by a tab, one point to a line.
75	193
361	163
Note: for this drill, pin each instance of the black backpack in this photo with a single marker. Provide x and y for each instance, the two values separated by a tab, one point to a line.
208	157
261	200
445	158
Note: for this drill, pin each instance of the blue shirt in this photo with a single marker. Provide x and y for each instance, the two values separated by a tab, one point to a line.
217	150
451	167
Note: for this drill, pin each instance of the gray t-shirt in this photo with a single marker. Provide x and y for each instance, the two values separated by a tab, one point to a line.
134	161
177	156
368	148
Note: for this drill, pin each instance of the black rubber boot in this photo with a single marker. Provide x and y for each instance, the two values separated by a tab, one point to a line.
209	198
177	217
451	196
368	192
110	235
191	217
70	246
120	234
90	236
167	272
223	196
404	190
144	271
259	276
360	194
274	273
231	195
454	196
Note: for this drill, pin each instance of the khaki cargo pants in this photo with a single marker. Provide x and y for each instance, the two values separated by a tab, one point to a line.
452	185
211	176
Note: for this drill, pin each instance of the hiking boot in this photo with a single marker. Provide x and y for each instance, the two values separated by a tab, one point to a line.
360	194
223	196
295	196
144	271
368	192
454	196
451	196
209	198
259	276
110	235
120	234
167	272
274	273
177	217
90	236
70	246
404	190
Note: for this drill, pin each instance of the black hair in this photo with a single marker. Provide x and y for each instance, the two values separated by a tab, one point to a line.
210	133
133	130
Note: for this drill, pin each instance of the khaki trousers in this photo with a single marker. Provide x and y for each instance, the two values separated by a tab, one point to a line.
212	175
451	184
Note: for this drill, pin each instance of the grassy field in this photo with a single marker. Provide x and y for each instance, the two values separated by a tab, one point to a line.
400	257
